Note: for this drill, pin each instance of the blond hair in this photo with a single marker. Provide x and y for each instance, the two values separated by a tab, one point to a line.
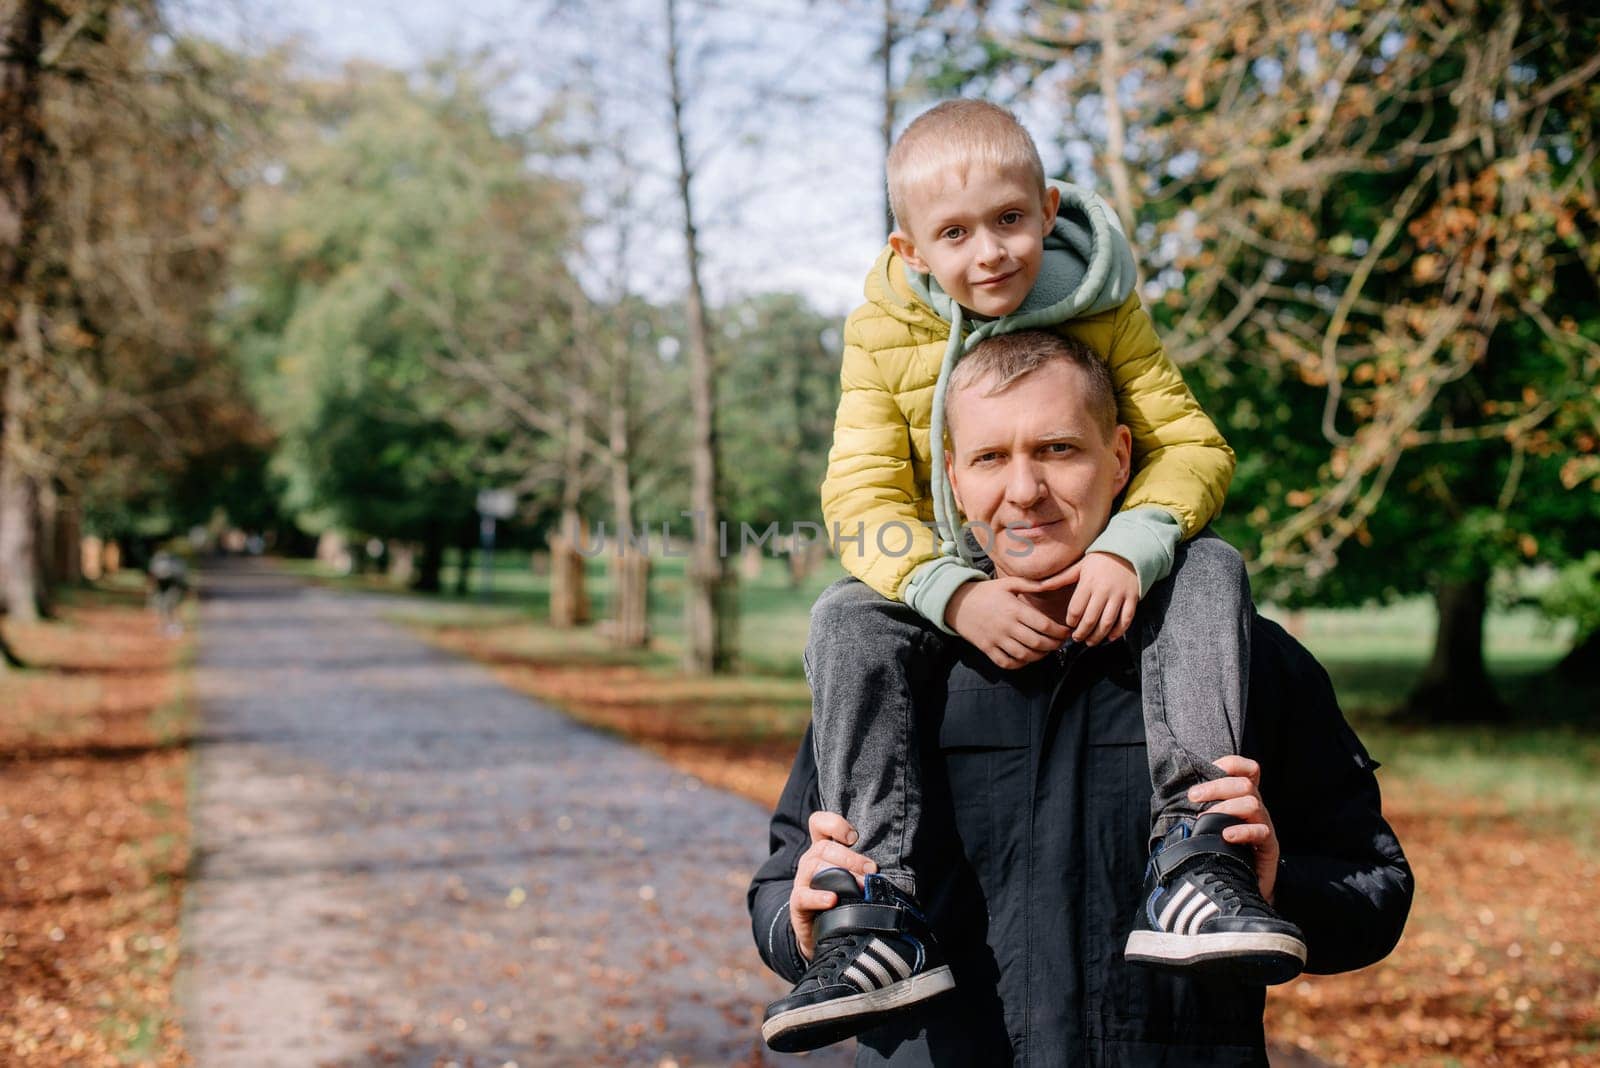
956	134
1001	360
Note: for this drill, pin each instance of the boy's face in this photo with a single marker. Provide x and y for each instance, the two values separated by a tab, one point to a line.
980	233
1033	469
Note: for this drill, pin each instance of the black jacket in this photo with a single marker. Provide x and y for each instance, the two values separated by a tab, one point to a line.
1036	819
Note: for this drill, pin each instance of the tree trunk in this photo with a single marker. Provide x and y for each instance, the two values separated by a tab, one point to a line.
91	558
804	559
1582	664
708	645
21	150
19	517
464	547
630	569
1116	160
569	597
630	579
66	555
402	562
886	120
1455	686
46	507
432	562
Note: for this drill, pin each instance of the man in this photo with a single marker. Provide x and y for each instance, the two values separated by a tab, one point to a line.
1037	791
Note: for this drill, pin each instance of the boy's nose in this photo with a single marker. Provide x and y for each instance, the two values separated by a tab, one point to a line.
990	250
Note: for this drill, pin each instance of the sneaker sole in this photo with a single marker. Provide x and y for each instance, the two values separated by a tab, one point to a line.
814	1026
1262	958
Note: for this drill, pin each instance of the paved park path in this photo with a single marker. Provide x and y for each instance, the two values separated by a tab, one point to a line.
400	861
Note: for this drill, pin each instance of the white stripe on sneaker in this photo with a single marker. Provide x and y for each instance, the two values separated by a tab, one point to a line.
856	976
1202	916
1179	896
870	963
1196	903
884	952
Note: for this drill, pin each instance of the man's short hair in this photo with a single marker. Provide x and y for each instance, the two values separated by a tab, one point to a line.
1001	360
959	133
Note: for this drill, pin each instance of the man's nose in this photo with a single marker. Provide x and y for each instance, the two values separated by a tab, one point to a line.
1024	486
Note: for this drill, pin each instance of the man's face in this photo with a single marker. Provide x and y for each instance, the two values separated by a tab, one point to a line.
980	233
1034	458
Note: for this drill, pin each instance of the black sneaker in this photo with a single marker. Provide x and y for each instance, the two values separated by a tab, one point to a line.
875	957
1203	911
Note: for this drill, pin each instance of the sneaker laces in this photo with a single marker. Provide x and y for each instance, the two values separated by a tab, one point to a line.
1231	883
833	955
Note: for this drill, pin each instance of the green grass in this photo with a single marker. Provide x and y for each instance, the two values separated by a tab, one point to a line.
1374	654
1544	775
1544	767
773	615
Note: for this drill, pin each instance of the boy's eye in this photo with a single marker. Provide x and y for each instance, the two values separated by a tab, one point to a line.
1011	218
952	233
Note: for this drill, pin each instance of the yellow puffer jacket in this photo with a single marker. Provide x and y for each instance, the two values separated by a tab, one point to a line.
880	464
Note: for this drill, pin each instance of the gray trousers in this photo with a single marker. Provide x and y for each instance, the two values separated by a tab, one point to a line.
865	652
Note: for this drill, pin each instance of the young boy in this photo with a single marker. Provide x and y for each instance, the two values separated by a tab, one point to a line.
983	246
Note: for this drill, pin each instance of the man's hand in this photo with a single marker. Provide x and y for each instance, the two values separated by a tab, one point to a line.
1240	795
1102	607
831	835
992	615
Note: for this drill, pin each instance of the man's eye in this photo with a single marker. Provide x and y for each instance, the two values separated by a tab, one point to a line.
1058	448
985	457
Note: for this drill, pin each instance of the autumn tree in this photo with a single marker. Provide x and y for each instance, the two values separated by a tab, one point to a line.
1368	230
121	184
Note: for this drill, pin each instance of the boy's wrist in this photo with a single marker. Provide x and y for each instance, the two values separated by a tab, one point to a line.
1147	538
929	589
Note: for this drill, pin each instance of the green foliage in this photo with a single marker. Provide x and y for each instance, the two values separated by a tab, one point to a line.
397	220
1575	595
1369	234
776	401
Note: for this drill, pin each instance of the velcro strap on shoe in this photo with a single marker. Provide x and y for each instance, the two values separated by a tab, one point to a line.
860	917
1171	857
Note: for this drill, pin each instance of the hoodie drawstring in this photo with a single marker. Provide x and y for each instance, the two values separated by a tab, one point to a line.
945	510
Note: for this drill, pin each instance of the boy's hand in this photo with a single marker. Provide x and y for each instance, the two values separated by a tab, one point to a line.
992	615
1103	605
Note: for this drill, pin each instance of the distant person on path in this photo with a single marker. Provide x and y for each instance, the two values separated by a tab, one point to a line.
1036	789
168	584
985	247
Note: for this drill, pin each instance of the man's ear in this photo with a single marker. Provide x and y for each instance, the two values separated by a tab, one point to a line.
906	249
1052	204
1122	445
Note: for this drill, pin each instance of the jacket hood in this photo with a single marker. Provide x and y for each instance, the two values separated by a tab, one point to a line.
888	288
